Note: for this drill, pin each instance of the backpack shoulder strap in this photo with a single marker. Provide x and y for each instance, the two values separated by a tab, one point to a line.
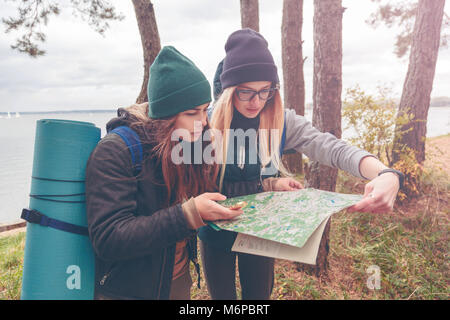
133	143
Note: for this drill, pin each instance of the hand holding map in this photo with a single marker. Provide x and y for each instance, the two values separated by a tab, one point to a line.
210	210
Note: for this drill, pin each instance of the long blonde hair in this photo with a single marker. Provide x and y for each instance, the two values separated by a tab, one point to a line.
271	117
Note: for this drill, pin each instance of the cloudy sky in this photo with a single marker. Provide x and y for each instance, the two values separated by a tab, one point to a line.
83	70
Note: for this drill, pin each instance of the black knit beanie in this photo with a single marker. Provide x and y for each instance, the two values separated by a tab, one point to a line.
247	59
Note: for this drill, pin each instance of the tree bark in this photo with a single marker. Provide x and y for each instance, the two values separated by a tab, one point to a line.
151	44
327	88
250	14
418	84
293	78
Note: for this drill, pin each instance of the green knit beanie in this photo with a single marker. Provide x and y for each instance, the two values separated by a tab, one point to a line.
175	85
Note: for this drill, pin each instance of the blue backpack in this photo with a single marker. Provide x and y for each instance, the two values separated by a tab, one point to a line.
133	143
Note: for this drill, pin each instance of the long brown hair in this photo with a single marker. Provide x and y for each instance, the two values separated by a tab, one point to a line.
182	181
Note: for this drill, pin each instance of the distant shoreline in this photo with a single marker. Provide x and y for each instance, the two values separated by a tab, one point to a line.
7	228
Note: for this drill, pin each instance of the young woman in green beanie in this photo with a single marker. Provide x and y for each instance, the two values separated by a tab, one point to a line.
246	85
143	225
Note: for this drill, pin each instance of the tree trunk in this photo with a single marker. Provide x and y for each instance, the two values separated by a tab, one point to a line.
327	88
151	44
250	14
293	79
418	84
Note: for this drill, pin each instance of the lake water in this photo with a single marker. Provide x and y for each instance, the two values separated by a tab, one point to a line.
17	146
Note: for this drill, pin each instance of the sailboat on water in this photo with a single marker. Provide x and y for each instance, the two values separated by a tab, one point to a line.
9	115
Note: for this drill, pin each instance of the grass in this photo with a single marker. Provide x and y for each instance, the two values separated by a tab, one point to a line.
410	247
410	252
11	251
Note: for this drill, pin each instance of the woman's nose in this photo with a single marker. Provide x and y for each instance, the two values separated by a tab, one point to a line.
255	100
204	119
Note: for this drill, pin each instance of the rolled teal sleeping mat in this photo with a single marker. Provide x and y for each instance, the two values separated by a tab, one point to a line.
59	264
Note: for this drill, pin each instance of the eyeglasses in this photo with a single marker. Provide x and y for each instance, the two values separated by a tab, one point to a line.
248	94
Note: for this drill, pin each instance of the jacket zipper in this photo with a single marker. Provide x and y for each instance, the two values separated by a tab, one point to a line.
161	274
102	281
192	253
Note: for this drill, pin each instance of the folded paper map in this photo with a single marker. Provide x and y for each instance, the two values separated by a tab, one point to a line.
285	225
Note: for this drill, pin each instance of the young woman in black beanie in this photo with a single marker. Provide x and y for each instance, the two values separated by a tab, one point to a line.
143	225
248	98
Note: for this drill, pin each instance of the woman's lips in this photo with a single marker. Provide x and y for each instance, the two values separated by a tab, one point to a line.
252	110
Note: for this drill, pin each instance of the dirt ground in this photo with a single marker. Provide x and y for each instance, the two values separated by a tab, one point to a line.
438	153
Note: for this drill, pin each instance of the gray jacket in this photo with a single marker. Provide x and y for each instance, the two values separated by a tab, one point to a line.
322	147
